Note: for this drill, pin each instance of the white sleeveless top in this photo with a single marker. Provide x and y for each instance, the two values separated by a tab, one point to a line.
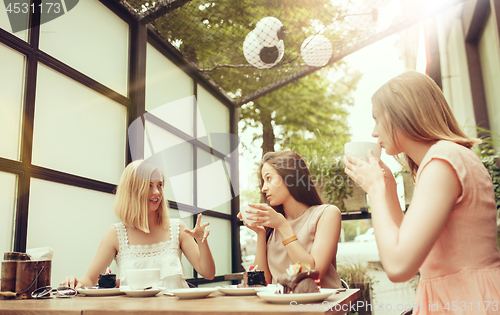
164	255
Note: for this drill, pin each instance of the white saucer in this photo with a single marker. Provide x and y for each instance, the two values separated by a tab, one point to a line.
235	290
99	292
140	293
273	297
192	293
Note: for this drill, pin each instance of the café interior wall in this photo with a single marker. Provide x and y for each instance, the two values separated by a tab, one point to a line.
455	73
489	53
81	132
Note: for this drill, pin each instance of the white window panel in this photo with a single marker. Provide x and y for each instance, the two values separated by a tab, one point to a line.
213	183
70	220
188	220
175	157
7	210
213	118
93	40
219	241
21	20
77	130
12	69
169	91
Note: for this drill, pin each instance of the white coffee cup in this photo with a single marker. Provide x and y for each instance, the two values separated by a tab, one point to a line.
360	149
138	279
245	215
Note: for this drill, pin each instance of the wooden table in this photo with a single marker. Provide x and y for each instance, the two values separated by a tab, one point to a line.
216	303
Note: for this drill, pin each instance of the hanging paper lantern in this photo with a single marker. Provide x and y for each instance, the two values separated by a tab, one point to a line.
260	56
316	50
365	16
269	31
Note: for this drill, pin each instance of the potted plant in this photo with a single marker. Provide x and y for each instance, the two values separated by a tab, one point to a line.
357	276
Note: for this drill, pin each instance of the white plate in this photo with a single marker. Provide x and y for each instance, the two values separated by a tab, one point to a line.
192	293
273	297
235	290
140	293
100	292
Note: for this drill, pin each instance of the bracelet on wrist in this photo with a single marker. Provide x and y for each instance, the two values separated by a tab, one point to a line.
289	240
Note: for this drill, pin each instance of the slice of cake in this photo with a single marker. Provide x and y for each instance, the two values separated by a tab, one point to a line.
299	279
107	280
253	278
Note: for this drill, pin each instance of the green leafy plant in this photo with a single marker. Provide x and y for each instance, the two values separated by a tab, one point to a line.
490	159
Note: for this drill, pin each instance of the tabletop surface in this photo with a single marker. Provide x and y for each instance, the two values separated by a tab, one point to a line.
216	303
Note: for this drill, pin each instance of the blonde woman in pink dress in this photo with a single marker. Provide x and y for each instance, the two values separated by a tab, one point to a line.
294	226
449	232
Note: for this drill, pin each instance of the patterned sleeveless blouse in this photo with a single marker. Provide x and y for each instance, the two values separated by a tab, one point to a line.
164	255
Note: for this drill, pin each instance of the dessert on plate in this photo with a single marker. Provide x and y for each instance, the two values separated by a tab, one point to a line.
107	281
253	278
299	278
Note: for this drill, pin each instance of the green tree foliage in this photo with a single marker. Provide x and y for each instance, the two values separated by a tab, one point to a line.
309	113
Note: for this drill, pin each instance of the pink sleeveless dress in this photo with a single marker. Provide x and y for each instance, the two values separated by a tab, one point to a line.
305	229
461	274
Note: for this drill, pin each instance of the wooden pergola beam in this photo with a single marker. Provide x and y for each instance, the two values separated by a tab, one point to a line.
161	8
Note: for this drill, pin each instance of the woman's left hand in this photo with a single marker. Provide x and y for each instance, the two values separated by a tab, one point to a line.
265	216
200	231
369	174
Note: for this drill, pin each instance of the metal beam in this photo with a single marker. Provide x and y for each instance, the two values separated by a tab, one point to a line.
160	9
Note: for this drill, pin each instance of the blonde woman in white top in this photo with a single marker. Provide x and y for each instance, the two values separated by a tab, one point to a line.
146	238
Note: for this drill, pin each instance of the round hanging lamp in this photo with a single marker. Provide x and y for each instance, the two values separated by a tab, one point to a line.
260	56
269	31
316	50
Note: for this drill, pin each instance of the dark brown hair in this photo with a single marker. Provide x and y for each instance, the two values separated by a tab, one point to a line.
296	176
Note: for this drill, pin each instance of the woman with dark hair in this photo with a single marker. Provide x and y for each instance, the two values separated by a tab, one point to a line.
294	226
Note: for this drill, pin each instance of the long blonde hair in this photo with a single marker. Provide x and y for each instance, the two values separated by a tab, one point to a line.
131	204
415	105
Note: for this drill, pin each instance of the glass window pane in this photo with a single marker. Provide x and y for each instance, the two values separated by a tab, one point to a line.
213	183
213	117
77	130
188	220
12	65
8	198
21	21
93	40
219	241
248	246
169	89
175	157
70	220
490	66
